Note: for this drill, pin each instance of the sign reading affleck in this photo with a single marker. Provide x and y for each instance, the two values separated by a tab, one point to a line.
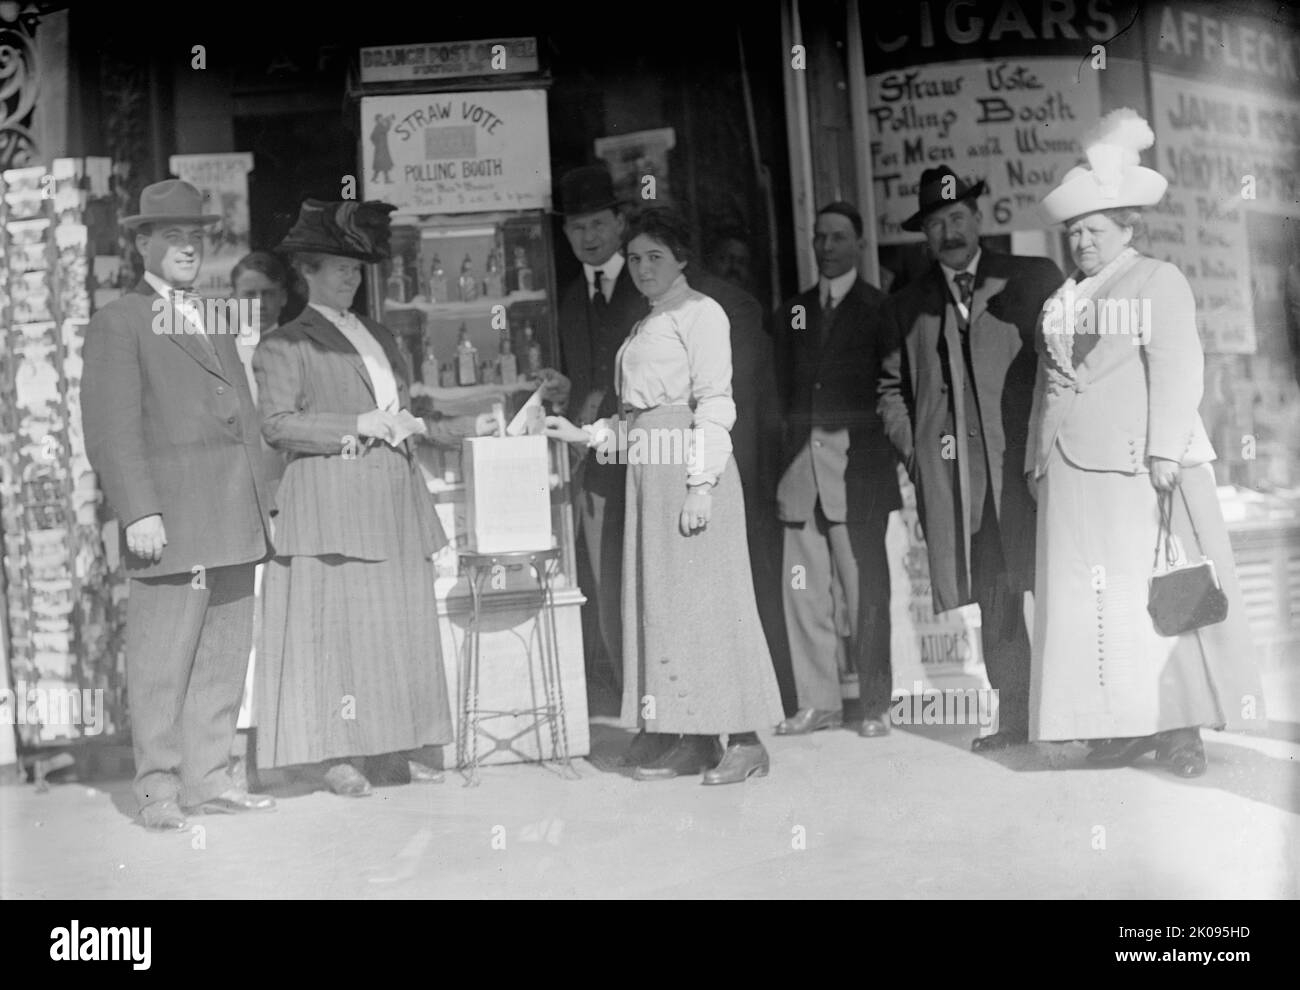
457	152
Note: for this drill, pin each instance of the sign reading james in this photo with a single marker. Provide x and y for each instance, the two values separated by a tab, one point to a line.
1226	152
1018	123
457	152
448	60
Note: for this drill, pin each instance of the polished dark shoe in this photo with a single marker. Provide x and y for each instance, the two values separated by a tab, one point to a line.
873	728
740	762
346	780
234	802
647	747
807	720
690	755
163	816
422	774
1183	752
1121	751
999	740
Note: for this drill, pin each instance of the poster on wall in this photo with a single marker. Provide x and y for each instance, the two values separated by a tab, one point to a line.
1016	123
223	180
457	152
1227	153
638	164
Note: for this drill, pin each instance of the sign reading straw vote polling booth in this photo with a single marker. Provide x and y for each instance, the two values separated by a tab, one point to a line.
457	152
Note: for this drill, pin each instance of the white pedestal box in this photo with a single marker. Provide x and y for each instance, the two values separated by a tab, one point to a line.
508	494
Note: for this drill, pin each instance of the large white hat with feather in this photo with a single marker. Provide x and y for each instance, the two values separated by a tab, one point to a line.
1114	178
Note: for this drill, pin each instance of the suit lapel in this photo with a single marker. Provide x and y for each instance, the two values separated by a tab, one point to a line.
988	284
188	342
325	333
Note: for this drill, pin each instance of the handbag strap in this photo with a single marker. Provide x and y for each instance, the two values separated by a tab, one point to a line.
1164	500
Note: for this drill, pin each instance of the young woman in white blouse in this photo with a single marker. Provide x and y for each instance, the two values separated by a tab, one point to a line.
696	664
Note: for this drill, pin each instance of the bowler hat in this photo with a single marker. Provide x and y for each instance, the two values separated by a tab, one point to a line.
588	189
347	229
940	187
170	201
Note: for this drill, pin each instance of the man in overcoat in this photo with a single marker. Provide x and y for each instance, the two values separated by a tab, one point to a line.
173	434
839	482
955	394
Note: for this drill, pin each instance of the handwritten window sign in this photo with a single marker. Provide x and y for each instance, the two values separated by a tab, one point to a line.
1225	152
448	60
1016	123
457	152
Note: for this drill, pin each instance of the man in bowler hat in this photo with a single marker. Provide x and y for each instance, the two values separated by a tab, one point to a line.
172	432
956	388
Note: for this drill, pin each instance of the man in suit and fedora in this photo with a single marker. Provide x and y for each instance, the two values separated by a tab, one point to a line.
596	313
839	482
955	395
172	432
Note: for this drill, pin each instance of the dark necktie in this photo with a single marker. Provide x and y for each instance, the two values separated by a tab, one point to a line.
966	286
192	301
598	301
829	306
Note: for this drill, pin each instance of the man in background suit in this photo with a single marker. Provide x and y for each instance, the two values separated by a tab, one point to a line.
955	395
596	313
172	432
839	483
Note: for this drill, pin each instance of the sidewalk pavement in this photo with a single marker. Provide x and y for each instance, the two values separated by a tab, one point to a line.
911	815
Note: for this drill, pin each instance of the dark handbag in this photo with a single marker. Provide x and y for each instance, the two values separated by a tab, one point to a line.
1184	596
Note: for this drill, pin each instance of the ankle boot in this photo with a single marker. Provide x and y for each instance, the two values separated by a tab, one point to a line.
690	755
741	761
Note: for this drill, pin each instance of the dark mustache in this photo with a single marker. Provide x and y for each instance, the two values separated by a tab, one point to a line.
952	245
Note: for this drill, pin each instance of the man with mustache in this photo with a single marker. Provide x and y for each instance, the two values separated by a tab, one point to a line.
956	388
174	437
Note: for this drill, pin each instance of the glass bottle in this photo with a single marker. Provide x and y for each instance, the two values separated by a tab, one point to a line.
468	283
429	370
494	280
523	272
507	363
447	375
532	351
466	359
437	282
396	288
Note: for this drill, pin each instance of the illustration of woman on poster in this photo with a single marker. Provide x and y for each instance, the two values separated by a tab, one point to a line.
379	138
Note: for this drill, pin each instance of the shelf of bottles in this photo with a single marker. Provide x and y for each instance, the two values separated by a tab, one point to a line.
471	299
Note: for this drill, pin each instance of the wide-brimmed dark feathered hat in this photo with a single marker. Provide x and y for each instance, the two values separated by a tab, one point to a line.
347	229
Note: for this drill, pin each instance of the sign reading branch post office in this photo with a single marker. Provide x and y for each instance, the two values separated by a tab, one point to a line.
457	152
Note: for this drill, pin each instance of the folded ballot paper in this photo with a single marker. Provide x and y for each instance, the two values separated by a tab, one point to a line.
507	494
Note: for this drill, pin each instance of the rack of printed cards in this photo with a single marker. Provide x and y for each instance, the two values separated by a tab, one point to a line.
64	594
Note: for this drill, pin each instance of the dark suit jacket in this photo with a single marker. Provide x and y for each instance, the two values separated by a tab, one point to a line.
834	447
587	358
338	495
170	431
916	404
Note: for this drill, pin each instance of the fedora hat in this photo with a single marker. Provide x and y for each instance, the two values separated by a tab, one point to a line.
930	197
1112	178
588	189
170	201
346	229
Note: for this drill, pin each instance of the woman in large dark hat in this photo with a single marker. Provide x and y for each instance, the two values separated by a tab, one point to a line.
349	665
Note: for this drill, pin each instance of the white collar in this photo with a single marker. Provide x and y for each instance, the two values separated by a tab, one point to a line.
610	269
163	288
335	316
839	285
951	273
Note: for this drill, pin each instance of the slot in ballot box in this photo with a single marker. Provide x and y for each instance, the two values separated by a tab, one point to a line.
507	494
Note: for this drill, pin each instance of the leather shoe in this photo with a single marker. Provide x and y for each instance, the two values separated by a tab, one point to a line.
421	774
999	740
873	728
1121	751
647	747
346	780
1184	752
689	755
807	720
740	762
163	816
234	802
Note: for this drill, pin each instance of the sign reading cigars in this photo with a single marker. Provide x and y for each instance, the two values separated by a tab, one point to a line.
1017	123
457	152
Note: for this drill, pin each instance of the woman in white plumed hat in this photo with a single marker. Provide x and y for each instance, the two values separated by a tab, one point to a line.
1114	431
